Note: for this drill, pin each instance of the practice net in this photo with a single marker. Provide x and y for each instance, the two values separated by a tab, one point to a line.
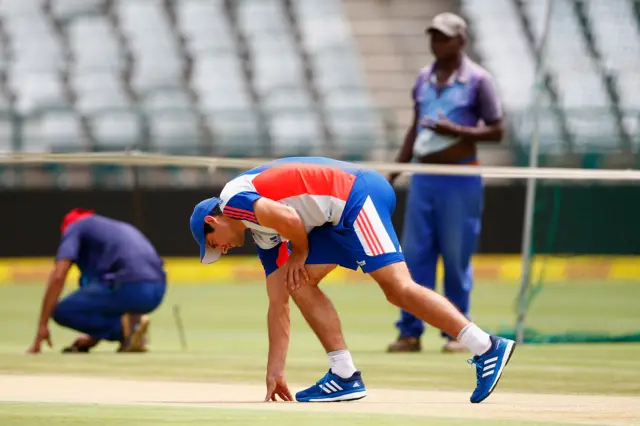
580	284
583	274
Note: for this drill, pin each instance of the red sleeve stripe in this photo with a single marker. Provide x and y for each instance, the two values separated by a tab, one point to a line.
229	209
250	219
242	214
238	215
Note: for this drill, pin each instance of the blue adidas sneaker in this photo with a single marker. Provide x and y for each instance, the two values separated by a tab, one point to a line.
489	367
333	388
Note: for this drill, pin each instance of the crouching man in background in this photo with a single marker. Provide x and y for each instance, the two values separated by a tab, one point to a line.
122	280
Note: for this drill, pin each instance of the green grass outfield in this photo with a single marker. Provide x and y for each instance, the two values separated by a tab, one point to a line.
227	342
78	415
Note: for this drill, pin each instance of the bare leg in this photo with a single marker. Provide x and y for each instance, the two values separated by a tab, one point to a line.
491	354
400	289
323	319
318	310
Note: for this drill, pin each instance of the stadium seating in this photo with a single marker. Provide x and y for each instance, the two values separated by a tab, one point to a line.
38	57
66	10
500	39
219	82
62	131
57	131
117	130
353	122
286	77
279	77
37	90
582	91
326	36
174	131
292	132
287	97
579	82
94	45
237	134
146	25
578	75
162	99
277	70
258	18
204	26
97	90
616	32
6	133
121	63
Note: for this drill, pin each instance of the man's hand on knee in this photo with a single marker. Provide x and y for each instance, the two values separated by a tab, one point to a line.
315	273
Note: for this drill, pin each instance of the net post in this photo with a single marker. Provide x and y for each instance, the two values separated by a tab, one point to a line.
531	182
138	214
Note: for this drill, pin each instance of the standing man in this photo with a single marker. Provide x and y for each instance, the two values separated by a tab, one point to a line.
122	279
455	108
307	216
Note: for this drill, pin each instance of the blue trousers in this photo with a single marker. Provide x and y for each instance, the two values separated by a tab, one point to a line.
96	309
443	218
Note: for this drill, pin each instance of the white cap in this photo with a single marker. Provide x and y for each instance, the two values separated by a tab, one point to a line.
211	255
449	24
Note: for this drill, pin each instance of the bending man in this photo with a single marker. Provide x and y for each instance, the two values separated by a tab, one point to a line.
307	216
122	279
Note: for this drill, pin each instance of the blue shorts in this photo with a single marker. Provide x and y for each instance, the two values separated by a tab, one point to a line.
363	238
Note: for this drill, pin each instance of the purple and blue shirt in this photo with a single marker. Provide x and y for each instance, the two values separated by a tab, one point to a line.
468	98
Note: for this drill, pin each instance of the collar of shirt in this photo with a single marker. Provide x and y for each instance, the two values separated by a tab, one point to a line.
461	75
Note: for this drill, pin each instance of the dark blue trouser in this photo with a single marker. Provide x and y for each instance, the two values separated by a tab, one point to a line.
443	218
96	309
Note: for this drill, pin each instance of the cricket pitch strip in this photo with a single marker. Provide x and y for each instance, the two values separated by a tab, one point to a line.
576	409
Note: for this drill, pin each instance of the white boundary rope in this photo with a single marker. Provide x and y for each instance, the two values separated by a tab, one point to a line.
158	160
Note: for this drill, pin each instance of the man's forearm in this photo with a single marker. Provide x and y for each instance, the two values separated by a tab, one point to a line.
481	134
285	220
293	229
51	296
406	152
279	327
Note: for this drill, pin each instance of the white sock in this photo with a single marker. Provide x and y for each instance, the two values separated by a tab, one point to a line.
476	340
341	363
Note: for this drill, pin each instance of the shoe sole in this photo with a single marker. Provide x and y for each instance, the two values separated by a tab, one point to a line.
403	350
505	360
342	398
136	341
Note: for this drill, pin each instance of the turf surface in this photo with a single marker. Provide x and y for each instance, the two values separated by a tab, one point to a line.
227	341
84	415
